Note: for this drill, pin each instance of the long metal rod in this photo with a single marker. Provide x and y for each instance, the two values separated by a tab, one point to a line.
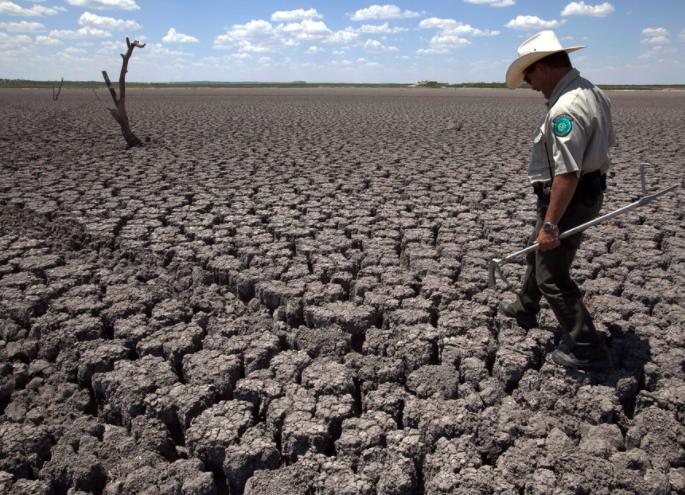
496	263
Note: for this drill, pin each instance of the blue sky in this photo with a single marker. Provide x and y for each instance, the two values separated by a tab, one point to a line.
629	41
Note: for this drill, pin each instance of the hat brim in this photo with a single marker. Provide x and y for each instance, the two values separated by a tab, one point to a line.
516	69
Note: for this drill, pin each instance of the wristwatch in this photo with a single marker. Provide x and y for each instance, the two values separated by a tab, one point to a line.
550	227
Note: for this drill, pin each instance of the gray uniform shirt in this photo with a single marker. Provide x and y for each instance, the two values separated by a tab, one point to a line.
575	134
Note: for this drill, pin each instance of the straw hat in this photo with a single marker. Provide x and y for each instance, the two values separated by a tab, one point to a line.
533	49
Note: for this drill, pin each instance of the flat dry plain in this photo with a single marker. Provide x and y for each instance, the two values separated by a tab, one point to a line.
285	292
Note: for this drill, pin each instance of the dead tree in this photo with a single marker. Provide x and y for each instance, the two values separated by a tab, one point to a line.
55	96
119	113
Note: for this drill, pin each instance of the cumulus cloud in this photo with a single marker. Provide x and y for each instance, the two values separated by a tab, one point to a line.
96	21
75	50
432	51
657	52
681	36
13	9
383	12
307	30
345	37
110	46
374	46
22	27
451	35
47	41
531	22
493	3
85	32
7	41
579	8
175	37
262	32
454	28
295	15
656	40
382	29
655	32
313	50
105	4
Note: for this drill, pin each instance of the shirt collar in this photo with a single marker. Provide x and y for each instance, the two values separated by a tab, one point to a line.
561	86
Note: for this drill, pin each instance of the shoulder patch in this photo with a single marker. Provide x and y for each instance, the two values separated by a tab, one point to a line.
562	125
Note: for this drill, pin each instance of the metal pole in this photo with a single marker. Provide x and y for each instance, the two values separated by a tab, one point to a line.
496	263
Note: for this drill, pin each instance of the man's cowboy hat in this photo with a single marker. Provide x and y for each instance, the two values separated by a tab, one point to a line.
533	49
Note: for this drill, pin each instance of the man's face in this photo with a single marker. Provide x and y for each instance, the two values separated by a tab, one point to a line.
537	76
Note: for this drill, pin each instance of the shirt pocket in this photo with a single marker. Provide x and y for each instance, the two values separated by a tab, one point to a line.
539	166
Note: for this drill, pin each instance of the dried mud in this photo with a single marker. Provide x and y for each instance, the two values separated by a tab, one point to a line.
285	292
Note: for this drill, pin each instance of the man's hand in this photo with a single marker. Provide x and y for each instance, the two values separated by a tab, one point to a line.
548	240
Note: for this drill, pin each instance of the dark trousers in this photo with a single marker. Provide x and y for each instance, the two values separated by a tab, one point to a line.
549	275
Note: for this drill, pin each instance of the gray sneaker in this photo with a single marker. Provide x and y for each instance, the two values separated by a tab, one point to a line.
526	321
569	360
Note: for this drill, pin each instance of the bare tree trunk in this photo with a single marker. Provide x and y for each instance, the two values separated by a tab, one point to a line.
119	113
54	97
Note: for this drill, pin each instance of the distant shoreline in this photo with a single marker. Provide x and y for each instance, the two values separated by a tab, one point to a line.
14	84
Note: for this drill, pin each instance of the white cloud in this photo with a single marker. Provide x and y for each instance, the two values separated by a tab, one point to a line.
432	51
157	50
531	22
655	32
105	4
579	8
22	27
448	42
307	30
383	12
383	28
374	46
450	35
295	15
265	60
47	41
493	3
96	21
344	37
681	36
338	52
85	32
267	38
656	52
10	8
454	28
313	50
175	37
7	41
656	40
110	46
75	50
248	47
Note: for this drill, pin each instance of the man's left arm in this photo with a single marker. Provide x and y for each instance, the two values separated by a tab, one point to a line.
563	188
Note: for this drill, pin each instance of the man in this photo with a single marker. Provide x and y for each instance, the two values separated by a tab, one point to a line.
567	170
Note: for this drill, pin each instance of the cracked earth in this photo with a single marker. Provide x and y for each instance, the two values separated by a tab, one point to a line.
285	292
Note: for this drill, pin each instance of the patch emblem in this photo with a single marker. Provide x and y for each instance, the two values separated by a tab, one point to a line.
562	125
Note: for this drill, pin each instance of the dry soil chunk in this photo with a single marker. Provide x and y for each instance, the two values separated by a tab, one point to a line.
216	429
122	391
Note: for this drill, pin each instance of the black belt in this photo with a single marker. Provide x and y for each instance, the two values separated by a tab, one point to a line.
589	186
